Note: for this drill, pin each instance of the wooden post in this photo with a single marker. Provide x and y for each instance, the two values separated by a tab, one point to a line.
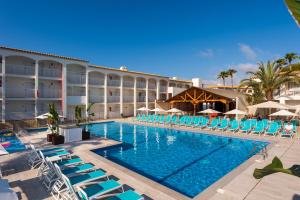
195	109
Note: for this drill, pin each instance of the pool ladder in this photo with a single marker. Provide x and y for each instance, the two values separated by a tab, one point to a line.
263	153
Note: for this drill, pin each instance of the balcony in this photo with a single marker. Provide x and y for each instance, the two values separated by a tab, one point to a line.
151	86
16	92
50	93
52	73
163	89
96	99
113	99
128	99
43	111
98	115
96	82
76	100
19	70
151	98
141	85
141	99
76	78
114	114
19	115
128	84
114	83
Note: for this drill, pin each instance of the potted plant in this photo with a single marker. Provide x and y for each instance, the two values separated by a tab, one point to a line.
54	120
85	132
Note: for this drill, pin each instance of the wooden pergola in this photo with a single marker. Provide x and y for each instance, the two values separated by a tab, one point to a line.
195	96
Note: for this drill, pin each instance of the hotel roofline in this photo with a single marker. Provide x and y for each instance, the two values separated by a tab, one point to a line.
90	65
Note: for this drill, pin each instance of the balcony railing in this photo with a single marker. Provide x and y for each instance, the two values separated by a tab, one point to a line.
98	115
96	81
128	99
43	111
115	83
76	78
113	99
141	85
45	72
128	84
50	93
20	92
163	88
19	115
151	98
152	86
114	114
96	99
19	69
141	99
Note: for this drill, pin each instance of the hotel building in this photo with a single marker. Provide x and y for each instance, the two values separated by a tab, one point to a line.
30	81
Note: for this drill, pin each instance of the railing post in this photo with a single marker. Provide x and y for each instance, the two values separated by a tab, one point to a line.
36	89
105	96
3	89
64	89
121	95
134	96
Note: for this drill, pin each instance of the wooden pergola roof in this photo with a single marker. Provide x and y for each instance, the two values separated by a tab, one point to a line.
195	95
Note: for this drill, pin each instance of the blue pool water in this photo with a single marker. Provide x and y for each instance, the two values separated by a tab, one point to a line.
11	143
183	161
30	130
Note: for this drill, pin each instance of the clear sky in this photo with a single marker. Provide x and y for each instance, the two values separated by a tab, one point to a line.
175	38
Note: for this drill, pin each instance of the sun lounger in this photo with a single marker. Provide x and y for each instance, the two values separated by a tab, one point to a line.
127	195
259	129
223	125
214	123
233	126
285	133
273	129
246	126
99	189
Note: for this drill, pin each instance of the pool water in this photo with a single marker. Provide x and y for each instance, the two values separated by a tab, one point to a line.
11	143
183	161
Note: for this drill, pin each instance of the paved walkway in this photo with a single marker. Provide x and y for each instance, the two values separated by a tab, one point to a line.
238	185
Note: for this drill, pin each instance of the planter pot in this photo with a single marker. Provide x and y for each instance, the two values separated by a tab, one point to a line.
86	135
58	139
49	137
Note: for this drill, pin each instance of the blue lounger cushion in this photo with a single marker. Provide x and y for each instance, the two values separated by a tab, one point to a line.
83	178
128	195
101	188
68	162
58	153
78	169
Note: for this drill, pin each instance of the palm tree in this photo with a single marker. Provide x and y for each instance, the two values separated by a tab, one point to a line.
281	61
268	78
223	75
289	57
230	73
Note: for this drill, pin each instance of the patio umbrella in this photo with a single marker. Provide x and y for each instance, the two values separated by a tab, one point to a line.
143	109
209	111
235	112
285	113
270	104
174	110
46	115
158	110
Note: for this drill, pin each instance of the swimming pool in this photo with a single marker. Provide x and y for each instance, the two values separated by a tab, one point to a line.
11	143
183	161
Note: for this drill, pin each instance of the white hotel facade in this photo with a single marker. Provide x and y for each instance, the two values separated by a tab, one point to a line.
31	80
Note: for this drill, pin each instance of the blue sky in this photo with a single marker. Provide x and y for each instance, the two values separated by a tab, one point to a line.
174	38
